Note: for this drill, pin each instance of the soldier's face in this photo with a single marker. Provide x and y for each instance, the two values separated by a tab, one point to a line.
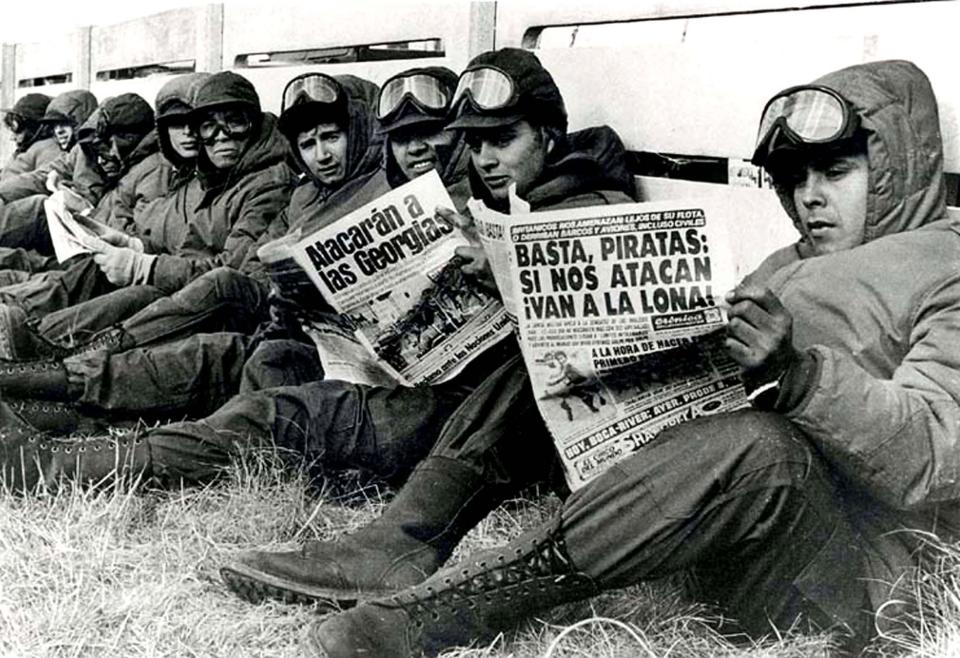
514	153
416	149
830	195
323	149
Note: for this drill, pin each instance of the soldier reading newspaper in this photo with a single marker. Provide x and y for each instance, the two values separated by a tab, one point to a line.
621	325
390	270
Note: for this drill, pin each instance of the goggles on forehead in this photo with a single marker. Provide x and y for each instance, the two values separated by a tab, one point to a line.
310	87
489	88
232	124
424	90
809	114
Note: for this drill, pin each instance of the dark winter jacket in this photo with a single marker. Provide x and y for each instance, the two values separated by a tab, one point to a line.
233	213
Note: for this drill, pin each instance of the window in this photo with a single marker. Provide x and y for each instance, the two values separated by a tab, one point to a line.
42	81
341	54
130	73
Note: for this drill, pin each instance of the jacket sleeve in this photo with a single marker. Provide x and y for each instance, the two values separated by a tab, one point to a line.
898	437
258	209
35	182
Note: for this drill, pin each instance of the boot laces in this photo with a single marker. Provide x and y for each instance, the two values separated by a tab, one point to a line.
494	577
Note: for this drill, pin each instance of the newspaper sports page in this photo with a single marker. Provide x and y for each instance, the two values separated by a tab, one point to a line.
620	319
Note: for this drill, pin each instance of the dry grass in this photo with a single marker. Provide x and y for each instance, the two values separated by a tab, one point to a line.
132	572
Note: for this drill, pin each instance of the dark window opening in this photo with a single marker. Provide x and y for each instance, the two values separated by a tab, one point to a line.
132	72
343	54
685	167
45	80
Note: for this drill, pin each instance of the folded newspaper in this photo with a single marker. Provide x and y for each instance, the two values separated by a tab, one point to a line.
407	315
620	319
71	234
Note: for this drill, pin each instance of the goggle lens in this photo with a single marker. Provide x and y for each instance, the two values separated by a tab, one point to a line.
315	87
489	88
424	89
232	125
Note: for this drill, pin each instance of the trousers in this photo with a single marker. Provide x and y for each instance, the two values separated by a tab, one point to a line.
744	505
331	424
185	352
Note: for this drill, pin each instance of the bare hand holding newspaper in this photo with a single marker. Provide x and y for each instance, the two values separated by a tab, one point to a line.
620	319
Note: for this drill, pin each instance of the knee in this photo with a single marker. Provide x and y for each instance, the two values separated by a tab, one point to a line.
746	442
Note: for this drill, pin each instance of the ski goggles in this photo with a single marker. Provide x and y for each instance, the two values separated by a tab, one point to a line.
809	114
310	87
232	124
423	90
488	89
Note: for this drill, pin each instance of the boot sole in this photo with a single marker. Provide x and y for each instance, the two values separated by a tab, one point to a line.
257	586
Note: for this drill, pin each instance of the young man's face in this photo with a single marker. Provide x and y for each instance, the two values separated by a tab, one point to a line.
109	157
183	139
415	148
830	195
508	154
226	135
63	133
323	150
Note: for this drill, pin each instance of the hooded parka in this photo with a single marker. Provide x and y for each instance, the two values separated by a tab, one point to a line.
74	106
140	208
238	206
40	148
878	386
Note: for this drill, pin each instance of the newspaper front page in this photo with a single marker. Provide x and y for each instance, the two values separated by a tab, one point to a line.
620	318
390	270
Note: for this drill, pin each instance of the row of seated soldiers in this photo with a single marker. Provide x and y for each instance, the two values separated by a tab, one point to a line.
790	514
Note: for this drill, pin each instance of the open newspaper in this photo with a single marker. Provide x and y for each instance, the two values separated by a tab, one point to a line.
620	318
71	234
406	313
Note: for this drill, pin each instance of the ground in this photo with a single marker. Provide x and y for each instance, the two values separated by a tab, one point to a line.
132	571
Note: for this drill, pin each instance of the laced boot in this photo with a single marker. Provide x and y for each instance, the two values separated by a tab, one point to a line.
57	417
472	601
19	341
46	380
111	340
419	529
38	461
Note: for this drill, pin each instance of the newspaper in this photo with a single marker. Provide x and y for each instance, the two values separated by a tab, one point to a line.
390	270
71	234
621	321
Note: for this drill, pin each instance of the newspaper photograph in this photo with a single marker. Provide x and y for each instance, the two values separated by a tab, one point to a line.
621	321
390	270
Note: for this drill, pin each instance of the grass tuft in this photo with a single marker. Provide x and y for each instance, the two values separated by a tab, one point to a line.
124	571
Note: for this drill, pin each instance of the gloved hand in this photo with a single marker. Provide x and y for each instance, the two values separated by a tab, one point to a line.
120	239
123	266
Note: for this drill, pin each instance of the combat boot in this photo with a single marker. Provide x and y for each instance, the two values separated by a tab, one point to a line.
472	601
46	380
57	417
416	534
29	462
114	339
19	341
